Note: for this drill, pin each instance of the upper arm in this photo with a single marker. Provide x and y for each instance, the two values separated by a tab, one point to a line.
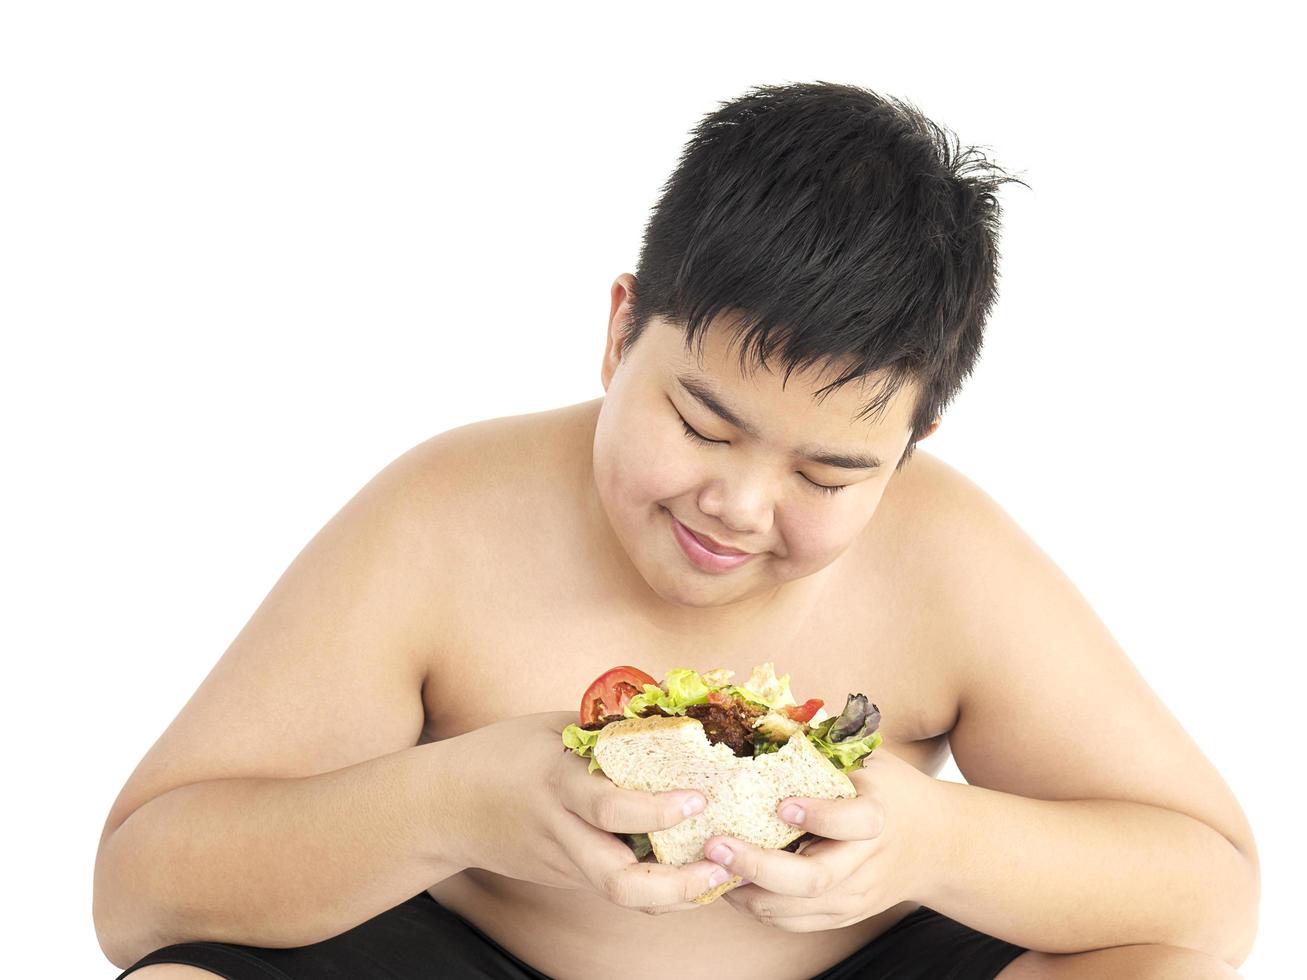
328	671
1049	705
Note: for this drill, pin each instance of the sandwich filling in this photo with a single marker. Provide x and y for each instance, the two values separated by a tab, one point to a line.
752	719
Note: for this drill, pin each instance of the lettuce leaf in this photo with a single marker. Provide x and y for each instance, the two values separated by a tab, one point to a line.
860	717
845	739
846	754
582	742
745	694
684	687
765	688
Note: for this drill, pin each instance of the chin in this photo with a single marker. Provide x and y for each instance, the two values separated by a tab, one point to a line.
677	583
677	593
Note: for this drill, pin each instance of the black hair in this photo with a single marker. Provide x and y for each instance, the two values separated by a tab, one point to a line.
831	224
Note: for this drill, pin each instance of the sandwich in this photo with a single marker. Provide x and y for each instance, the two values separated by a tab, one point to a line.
746	747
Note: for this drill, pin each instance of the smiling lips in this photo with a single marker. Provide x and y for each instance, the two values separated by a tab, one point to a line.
712	545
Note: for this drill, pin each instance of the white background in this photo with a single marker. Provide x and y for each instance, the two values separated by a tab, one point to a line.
251	252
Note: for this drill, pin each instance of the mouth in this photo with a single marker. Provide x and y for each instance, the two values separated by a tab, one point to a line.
711	544
714	546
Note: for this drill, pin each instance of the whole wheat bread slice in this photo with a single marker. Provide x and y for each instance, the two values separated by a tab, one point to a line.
742	793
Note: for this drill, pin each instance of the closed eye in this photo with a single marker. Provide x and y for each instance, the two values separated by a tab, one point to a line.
696	437
823	487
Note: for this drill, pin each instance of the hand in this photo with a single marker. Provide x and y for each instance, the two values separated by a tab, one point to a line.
877	854
534	811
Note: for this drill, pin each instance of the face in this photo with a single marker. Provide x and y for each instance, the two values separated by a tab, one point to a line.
674	475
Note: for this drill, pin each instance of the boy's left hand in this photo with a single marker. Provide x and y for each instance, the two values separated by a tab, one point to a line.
877	854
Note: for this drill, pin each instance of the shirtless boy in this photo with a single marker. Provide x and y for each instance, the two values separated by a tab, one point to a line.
371	782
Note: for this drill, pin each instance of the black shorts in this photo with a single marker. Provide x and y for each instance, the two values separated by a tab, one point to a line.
423	940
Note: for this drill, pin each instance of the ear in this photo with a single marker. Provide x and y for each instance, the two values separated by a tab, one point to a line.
618	314
933	426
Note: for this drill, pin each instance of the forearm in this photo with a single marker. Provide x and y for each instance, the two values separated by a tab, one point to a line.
278	862
1074	875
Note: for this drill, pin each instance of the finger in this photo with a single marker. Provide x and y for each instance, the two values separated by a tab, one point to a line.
623	811
649	886
699	901
780	871
612	870
858	818
593	852
766	906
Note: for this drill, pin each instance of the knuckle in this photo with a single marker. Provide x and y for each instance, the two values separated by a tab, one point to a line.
618	889
606	812
611	887
818	883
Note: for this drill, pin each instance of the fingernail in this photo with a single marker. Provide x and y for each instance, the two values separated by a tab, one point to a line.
722	855
792	813
717	877
692	806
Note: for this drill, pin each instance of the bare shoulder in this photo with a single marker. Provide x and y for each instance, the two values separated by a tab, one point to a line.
1049	704
495	479
484	457
928	493
913	542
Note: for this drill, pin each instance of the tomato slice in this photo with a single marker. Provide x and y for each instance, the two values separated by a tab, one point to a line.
803	712
610	692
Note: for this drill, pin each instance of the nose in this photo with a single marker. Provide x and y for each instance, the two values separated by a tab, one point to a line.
741	503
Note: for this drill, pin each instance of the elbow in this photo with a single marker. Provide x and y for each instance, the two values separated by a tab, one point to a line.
102	904
121	946
1223	924
1231	921
1247	911
116	926
110	939
107	932
116	954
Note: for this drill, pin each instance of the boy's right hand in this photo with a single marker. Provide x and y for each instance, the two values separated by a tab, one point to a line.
533	811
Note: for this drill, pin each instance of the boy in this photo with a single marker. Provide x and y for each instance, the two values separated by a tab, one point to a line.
810	295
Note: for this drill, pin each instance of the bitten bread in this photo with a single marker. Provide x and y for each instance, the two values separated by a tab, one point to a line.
742	793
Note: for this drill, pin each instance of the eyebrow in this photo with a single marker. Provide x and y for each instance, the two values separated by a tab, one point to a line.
705	396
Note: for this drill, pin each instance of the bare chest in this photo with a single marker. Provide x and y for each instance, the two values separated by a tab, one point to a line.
534	638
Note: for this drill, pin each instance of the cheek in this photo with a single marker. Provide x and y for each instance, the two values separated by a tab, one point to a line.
639	465
817	536
641	483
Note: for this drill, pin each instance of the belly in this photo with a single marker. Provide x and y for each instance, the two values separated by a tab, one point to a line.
567	934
